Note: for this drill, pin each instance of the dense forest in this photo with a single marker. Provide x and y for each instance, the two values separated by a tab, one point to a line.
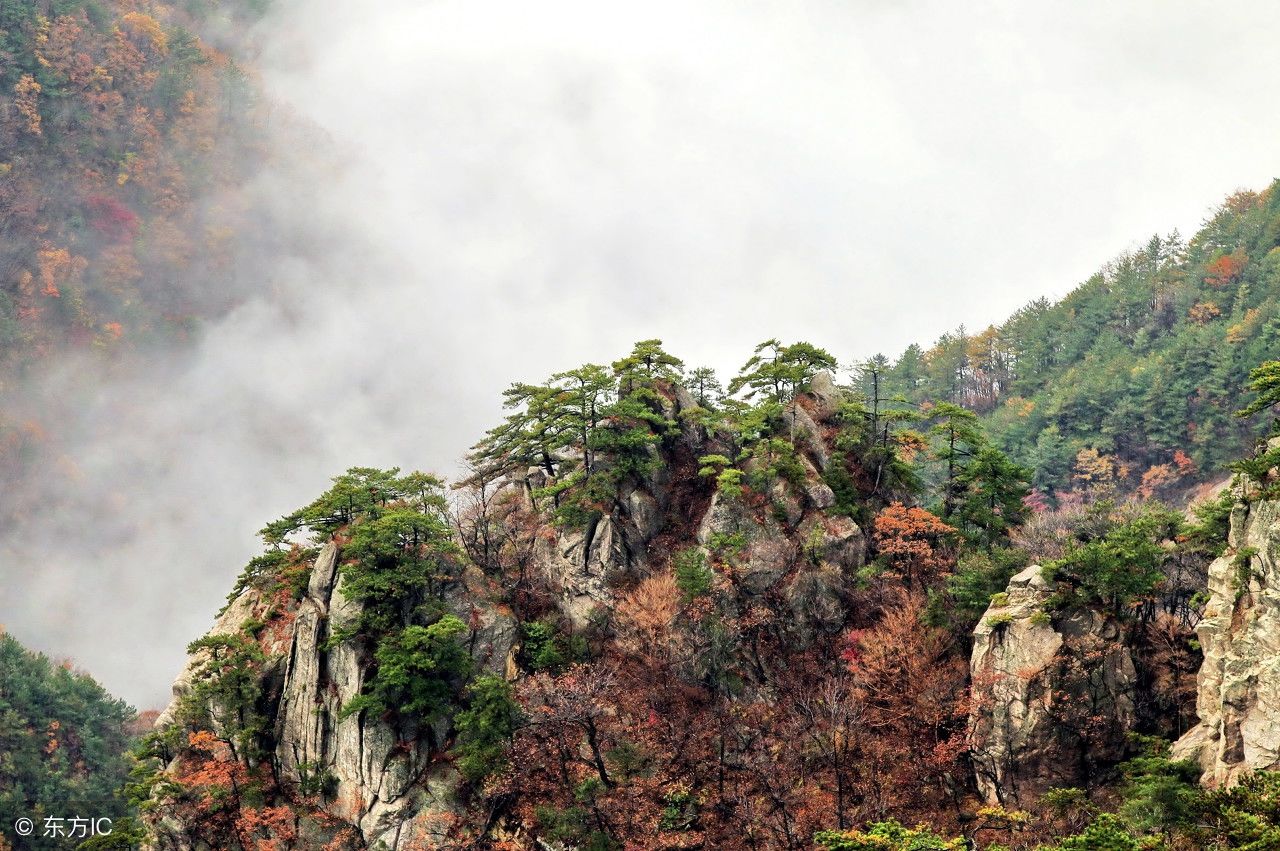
63	744
1138	367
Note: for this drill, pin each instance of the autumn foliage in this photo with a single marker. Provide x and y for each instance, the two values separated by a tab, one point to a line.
913	543
118	142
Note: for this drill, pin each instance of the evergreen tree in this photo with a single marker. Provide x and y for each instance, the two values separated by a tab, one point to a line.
957	438
991	490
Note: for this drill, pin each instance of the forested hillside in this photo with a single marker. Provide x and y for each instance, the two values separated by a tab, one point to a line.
124	144
665	614
1132	378
63	744
122	132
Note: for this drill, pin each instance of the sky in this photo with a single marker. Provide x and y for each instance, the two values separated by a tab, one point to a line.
509	189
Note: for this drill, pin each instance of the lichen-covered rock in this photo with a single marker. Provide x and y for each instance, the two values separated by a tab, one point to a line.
585	565
229	621
825	395
1051	699
1238	697
806	434
835	541
760	549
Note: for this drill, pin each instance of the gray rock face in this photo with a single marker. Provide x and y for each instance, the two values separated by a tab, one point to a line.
1238	698
228	623
836	542
1049	700
806	434
825	395
586	564
382	780
767	551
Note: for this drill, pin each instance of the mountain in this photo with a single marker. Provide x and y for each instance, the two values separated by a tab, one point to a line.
657	616
1140	367
63	746
960	593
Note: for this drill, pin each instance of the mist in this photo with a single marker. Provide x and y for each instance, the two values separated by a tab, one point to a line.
493	192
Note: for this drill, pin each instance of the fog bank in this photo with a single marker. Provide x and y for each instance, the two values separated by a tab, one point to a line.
496	191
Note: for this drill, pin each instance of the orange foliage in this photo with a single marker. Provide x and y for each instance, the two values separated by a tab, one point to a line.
646	617
911	686
1226	269
1155	479
912	543
26	100
58	269
146	29
101	113
214	802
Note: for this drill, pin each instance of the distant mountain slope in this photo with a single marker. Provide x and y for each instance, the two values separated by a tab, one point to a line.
127	144
1141	364
62	745
122	137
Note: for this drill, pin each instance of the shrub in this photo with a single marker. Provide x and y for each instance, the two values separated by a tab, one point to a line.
693	576
418	669
485	727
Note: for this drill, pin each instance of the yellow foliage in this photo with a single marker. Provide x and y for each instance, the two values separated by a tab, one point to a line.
1020	406
149	27
1094	472
1242	330
1204	312
27	92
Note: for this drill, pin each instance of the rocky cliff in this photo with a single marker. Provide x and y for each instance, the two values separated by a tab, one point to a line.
1053	694
356	780
365	773
1239	683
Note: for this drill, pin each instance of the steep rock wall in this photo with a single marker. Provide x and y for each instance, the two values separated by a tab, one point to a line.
1238	697
380	779
1053	697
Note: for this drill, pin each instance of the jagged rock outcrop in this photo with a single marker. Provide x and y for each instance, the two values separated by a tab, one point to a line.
587	564
1052	696
378	778
392	782
1238	698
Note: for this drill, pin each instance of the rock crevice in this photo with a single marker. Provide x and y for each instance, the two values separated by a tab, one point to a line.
1238	688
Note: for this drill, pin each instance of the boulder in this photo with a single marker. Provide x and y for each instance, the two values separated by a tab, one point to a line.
834	541
806	435
1053	699
764	550
825	394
